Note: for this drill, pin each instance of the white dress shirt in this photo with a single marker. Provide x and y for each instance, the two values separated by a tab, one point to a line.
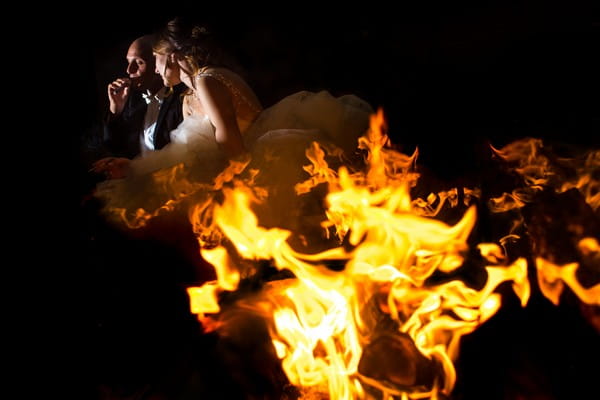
154	101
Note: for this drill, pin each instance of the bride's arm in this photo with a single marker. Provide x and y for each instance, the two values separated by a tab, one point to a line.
218	105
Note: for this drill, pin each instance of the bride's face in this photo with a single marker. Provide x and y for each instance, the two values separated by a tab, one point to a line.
169	71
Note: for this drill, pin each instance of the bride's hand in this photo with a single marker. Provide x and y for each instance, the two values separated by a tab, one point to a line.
112	167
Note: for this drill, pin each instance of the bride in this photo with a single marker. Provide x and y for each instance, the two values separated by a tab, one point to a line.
224	121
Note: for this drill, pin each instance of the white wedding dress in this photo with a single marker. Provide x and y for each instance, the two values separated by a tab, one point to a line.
277	140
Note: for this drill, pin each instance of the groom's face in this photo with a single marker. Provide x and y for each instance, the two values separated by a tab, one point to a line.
140	67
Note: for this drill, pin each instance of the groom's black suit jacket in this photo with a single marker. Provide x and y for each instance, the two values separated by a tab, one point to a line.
121	134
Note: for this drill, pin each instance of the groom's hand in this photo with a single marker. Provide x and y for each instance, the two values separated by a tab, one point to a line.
118	92
112	167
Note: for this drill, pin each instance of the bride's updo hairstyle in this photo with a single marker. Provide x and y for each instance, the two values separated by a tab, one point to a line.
193	42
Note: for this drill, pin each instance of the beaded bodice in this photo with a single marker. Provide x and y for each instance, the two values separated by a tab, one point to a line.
245	103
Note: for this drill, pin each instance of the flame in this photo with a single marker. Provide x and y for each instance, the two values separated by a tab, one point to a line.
585	181
326	322
540	168
552	278
172	186
380	313
318	326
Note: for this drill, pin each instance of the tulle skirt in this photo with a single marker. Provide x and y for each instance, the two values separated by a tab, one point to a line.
277	142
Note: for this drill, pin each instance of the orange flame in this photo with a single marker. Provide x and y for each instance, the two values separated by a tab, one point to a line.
541	169
172	186
322	321
534	163
382	310
552	277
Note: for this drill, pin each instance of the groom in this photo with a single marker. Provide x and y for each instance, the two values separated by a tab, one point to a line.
142	111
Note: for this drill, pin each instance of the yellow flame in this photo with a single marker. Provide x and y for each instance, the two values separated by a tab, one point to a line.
552	279
322	319
396	274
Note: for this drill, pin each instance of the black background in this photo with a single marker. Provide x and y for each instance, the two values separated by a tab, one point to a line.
449	78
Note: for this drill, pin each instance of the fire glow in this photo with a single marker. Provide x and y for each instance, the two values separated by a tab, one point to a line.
334	328
379	315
